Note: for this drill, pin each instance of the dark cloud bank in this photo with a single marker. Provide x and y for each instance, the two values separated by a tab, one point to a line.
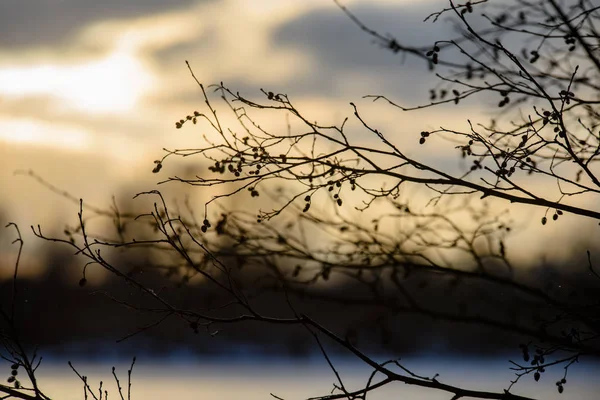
32	23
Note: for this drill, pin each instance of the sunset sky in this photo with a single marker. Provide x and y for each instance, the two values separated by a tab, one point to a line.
90	94
90	91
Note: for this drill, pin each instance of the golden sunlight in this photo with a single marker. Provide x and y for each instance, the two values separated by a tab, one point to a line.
45	133
110	85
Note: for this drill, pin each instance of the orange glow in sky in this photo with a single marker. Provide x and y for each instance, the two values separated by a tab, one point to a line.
113	87
113	84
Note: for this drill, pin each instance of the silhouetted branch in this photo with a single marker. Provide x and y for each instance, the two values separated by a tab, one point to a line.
13	350
351	219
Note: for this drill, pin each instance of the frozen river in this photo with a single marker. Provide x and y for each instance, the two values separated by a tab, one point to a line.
256	378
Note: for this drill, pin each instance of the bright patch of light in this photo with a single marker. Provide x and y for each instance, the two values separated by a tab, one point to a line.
40	133
110	85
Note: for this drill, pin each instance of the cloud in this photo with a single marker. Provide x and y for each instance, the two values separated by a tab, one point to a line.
312	53
346	57
34	23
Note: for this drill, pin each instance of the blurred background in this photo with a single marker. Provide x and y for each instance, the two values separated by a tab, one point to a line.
89	96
